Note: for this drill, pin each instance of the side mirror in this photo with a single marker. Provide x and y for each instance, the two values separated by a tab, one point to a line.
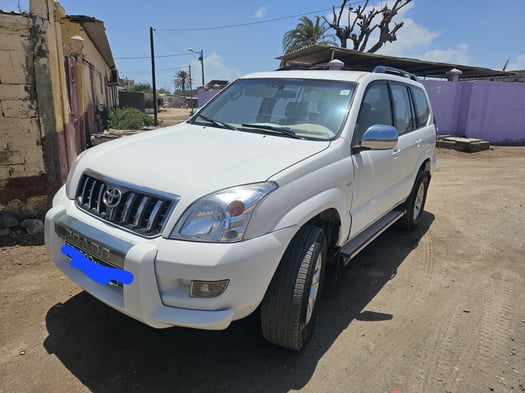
379	137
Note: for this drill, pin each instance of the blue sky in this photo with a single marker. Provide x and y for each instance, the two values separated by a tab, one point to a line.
475	32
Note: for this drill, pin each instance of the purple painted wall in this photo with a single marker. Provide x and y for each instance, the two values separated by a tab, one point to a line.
493	111
204	95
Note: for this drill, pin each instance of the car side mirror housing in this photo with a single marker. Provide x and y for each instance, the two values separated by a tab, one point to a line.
379	137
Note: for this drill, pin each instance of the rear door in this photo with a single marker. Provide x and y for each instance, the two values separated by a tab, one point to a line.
410	141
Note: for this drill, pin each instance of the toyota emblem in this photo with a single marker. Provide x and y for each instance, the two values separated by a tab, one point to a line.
112	197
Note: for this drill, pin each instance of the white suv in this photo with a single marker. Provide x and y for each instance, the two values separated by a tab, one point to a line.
244	204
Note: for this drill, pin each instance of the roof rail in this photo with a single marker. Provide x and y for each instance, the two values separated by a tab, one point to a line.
305	66
297	67
394	71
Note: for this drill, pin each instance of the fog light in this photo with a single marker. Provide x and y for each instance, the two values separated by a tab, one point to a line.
208	288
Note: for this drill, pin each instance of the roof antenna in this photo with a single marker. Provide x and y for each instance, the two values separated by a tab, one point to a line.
506	64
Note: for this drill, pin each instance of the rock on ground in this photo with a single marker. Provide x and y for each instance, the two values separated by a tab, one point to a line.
32	226
7	220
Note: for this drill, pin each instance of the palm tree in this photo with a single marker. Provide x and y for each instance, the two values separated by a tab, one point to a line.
306	33
181	79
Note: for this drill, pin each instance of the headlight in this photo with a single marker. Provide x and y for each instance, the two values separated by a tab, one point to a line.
222	216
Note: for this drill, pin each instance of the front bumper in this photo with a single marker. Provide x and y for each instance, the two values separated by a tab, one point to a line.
163	270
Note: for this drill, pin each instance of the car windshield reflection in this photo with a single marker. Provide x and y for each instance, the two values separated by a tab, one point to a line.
296	108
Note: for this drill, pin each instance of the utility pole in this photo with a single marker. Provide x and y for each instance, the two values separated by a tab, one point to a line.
155	122
191	90
201	58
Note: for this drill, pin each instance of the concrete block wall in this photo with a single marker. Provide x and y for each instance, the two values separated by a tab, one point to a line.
21	153
40	137
489	110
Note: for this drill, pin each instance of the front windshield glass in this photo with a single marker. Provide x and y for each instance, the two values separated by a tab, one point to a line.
297	108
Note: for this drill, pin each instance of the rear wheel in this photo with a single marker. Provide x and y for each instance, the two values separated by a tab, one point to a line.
415	203
289	308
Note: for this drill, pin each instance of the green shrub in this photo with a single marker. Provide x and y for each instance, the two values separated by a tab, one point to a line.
103	112
128	119
148	120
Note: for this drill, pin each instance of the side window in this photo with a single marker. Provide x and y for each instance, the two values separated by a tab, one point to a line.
375	109
421	106
402	108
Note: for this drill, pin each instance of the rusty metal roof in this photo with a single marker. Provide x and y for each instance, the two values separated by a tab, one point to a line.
364	61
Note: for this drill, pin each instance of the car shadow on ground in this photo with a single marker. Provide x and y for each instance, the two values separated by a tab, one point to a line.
109	352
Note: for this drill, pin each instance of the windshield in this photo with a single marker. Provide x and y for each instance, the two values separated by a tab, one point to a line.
297	108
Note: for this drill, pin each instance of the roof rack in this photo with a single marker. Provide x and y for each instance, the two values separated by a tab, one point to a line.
394	71
305	66
297	67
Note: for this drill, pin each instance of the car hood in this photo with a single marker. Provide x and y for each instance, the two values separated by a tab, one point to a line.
192	161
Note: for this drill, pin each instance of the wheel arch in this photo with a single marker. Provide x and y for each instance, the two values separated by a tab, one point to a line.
426	166
329	221
325	209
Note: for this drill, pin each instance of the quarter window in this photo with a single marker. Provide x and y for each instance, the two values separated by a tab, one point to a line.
421	106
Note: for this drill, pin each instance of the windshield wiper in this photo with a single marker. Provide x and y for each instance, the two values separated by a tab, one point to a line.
218	123
283	130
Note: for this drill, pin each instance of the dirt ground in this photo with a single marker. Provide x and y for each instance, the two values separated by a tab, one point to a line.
440	309
171	116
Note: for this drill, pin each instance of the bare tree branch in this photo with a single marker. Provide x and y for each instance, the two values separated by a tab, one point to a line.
364	23
342	33
386	34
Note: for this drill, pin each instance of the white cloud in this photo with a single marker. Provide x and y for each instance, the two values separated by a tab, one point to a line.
518	64
260	12
411	37
214	68
455	56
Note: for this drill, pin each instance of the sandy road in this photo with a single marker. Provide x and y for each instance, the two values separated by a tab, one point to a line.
440	309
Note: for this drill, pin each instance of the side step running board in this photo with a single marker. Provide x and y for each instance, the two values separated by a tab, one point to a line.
354	246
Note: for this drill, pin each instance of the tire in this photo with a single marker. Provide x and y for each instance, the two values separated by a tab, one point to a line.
289	308
415	203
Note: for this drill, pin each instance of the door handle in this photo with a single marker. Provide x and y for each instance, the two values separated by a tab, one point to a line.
418	142
396	153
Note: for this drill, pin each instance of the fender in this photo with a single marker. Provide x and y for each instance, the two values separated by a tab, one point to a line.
303	212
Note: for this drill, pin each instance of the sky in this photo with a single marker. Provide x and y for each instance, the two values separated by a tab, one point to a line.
239	37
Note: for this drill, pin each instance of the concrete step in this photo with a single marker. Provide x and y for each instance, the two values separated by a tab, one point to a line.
467	145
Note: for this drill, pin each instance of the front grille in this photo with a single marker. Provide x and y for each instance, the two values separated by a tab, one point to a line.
138	210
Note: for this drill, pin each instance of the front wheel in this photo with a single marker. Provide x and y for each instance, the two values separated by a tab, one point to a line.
416	202
289	308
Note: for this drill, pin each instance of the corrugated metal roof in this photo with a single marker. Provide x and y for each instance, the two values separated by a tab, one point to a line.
97	33
364	61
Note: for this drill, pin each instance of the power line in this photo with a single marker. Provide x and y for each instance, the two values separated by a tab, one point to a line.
245	24
160	70
222	27
148	57
167	42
